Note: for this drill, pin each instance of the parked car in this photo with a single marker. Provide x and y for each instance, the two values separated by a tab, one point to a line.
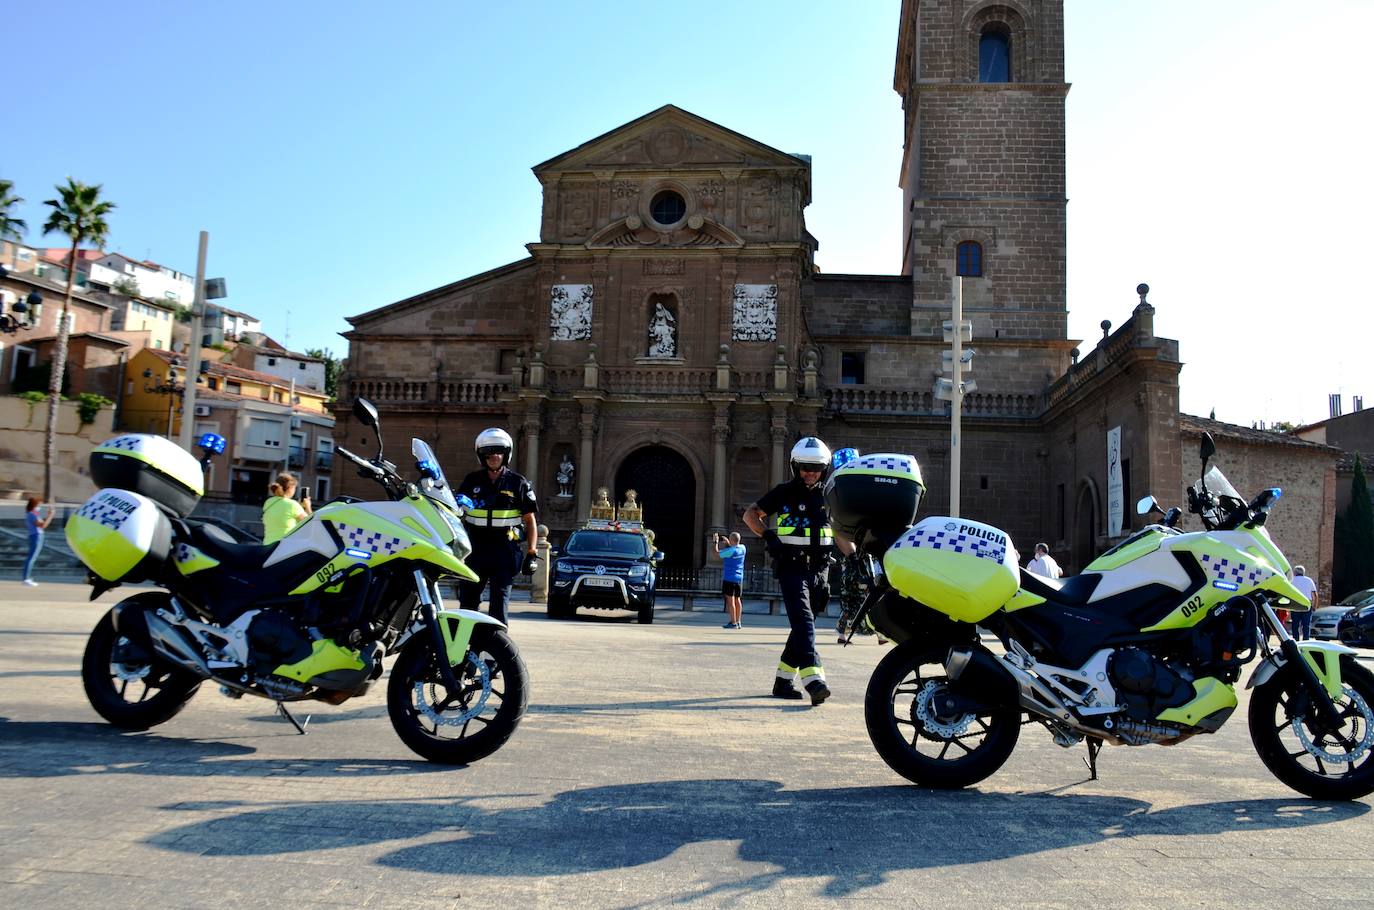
606	566
1326	620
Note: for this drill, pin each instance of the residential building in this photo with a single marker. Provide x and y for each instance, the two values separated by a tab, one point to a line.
35	331
146	279
305	371
225	325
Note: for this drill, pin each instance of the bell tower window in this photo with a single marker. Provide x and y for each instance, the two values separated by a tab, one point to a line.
994	55
969	260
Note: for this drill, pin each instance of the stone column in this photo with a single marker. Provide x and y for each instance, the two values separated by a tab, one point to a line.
584	465
779	433
531	432
720	431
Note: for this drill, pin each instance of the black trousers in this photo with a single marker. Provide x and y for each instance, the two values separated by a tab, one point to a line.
799	588
496	563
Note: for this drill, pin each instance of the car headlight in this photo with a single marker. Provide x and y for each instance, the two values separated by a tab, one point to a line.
639	571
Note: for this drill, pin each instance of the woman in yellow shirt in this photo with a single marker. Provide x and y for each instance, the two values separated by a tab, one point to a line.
281	513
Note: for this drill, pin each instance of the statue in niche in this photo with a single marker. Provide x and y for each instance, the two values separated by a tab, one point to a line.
566	470
662	333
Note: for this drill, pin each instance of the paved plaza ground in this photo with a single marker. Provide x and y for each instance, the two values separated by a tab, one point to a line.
651	771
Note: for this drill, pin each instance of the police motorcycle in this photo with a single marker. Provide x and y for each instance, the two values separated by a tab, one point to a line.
1144	647
311	616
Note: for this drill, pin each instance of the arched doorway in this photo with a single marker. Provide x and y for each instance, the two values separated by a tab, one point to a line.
667	489
1085	527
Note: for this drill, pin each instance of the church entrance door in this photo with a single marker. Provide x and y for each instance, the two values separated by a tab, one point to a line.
667	488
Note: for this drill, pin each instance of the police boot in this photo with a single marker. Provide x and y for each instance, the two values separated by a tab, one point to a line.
818	691
783	688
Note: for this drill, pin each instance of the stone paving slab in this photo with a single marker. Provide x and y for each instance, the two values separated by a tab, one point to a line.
651	771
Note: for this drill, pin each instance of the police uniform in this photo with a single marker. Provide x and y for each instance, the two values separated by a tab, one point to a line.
493	523
805	541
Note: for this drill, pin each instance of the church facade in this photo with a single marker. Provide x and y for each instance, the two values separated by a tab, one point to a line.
670	333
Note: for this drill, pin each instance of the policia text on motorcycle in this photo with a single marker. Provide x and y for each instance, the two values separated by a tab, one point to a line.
503	503
801	547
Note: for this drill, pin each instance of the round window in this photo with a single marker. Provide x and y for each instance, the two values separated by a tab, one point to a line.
668	207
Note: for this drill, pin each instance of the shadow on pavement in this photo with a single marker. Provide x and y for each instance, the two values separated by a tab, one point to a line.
93	748
853	837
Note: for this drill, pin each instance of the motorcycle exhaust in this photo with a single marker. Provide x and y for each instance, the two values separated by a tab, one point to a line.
978	673
167	641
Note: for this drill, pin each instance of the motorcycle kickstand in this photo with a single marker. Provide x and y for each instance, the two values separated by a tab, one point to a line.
300	728
1094	747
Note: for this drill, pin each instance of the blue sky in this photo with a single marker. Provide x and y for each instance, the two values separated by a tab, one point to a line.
343	156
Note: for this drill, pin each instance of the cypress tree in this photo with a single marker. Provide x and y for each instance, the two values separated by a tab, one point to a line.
1354	569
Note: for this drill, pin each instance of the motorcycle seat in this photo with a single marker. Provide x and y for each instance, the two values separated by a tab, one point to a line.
1070	592
218	545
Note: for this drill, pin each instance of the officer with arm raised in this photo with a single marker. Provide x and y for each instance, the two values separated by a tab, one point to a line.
503	502
800	547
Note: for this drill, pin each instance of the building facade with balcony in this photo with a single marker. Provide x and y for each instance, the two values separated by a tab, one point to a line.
669	331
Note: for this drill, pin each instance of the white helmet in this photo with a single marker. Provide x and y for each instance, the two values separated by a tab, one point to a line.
494	441
812	452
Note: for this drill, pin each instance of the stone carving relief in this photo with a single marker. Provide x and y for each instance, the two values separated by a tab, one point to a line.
570	312
577	206
759	203
755	313
668	146
623	196
662	333
664	266
708	191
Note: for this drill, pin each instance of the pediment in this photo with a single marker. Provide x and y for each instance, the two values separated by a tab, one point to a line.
632	232
668	138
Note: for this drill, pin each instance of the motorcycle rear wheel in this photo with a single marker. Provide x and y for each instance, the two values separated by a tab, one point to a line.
1329	766
458	728
926	749
127	686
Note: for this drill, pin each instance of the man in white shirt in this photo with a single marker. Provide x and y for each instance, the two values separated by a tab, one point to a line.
1043	564
1302	619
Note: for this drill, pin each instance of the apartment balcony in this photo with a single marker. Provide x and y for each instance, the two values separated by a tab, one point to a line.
324	461
295	458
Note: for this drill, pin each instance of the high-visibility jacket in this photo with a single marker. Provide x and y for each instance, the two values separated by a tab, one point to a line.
803	525
498	505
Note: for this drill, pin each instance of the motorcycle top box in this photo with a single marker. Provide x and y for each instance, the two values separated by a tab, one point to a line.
152	466
964	569
121	536
877	494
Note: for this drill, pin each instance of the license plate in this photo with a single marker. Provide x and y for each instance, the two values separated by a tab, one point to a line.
599	582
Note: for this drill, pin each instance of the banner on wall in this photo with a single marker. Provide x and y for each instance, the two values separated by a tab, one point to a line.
1116	509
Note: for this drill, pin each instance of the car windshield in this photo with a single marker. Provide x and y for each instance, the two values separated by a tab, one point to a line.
1358	599
432	482
606	543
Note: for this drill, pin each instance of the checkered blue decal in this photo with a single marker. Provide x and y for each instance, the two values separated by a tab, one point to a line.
184	553
127	443
944	539
372	541
1222	569
899	464
110	511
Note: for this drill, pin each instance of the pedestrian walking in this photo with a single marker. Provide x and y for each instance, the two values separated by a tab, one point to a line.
731	576
503	505
37	523
800	547
1302	619
1043	564
282	512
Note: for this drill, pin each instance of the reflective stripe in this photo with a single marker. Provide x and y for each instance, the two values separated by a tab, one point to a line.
825	539
478	519
810	673
786	672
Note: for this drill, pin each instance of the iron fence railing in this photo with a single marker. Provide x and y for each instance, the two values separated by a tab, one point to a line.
758	581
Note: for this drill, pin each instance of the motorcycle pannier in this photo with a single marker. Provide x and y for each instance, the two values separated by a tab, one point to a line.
153	466
121	536
962	568
875	493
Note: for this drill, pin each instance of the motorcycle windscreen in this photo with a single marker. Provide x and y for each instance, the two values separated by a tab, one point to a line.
961	568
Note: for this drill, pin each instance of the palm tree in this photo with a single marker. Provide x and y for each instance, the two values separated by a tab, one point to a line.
80	215
10	228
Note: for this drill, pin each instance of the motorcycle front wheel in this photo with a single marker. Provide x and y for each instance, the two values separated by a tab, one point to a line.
916	741
1329	765
127	686
457	728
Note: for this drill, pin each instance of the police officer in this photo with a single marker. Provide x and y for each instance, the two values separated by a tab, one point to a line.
503	501
801	547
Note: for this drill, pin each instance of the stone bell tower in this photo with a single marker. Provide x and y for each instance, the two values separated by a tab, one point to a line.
982	86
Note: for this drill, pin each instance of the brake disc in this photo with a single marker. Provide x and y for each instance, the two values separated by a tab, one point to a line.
1355	753
944	729
426	696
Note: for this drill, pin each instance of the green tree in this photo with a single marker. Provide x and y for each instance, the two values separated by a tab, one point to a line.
331	370
10	228
79	214
1354	563
126	286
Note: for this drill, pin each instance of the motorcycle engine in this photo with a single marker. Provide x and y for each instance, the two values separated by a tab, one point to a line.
275	638
1147	684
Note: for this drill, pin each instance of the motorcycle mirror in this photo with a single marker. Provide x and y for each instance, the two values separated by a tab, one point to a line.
1209	448
1147	505
366	414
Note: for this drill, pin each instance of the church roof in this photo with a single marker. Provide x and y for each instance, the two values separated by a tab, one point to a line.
1196	426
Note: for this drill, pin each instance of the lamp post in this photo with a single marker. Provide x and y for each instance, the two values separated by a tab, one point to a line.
213	289
171	385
